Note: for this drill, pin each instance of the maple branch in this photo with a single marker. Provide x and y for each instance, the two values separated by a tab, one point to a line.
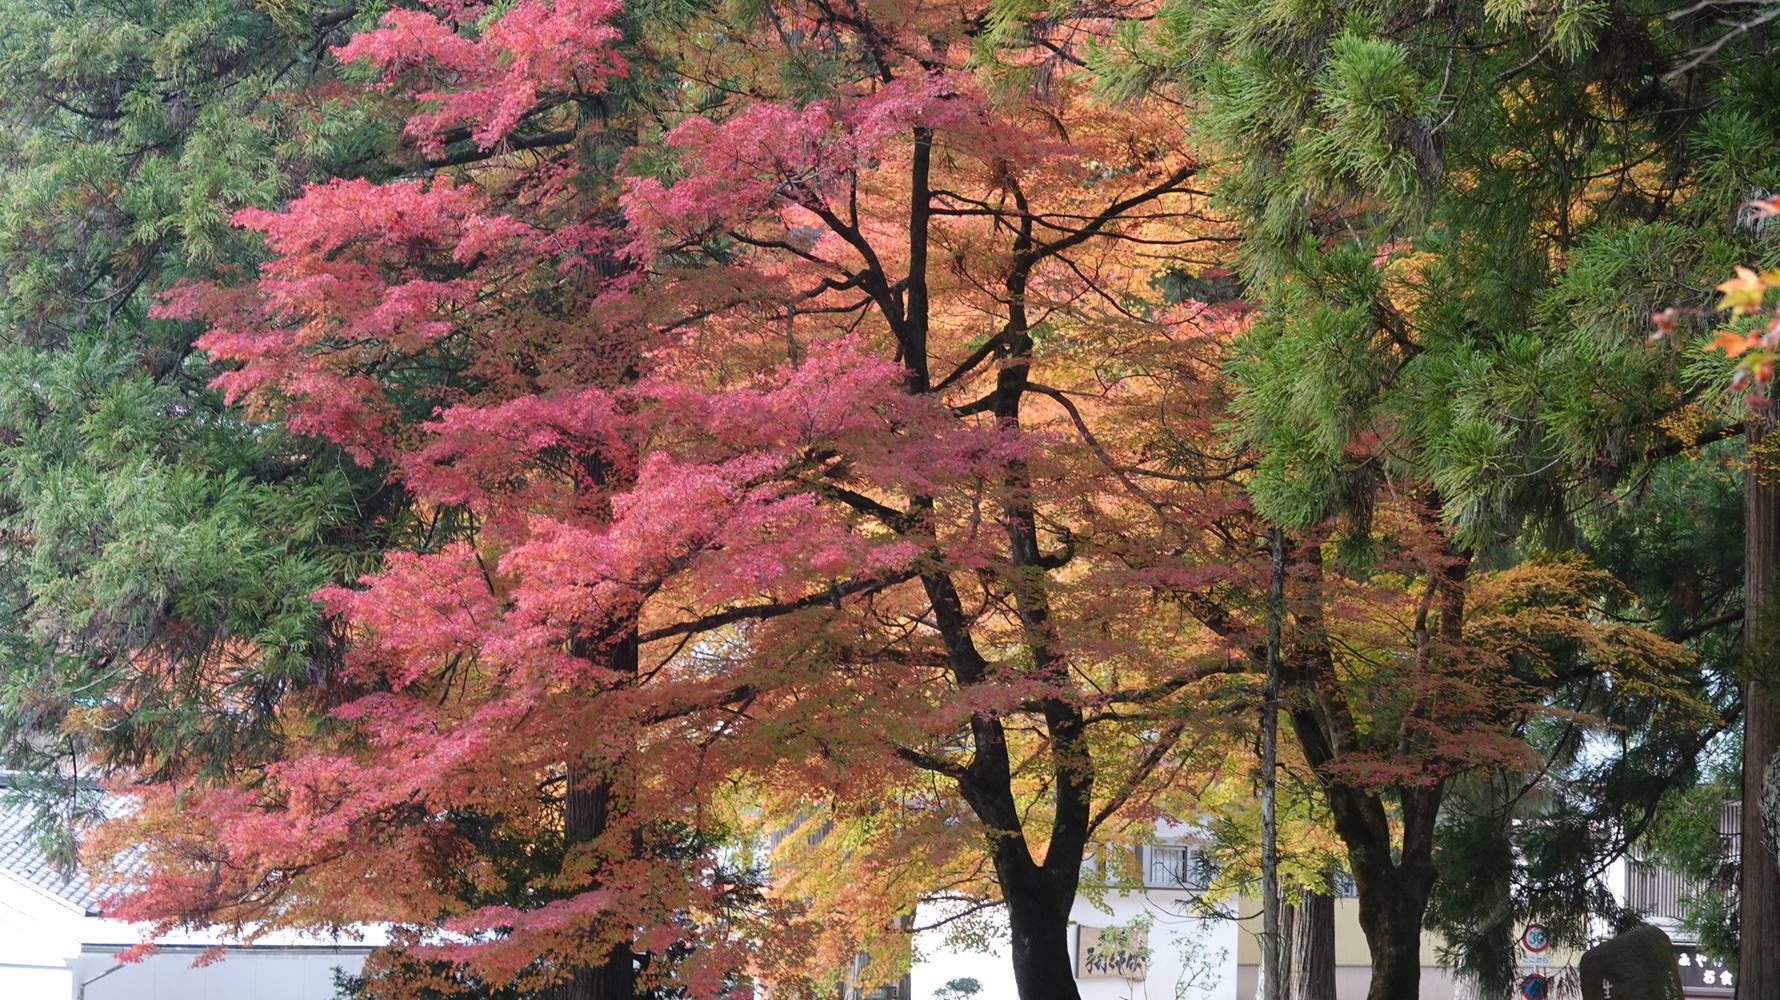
1181	477
976	357
1106	459
1114	211
890	516
1128	787
977	906
852	280
930	762
463	133
874	280
742	693
775	609
1161	689
987	783
543	140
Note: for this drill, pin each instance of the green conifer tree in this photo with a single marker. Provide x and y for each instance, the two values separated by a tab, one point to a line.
1458	221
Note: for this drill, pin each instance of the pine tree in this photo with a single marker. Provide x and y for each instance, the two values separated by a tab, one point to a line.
1456	223
160	548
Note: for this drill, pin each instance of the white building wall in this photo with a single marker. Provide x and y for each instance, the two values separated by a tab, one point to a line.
52	950
1190	958
936	963
243	974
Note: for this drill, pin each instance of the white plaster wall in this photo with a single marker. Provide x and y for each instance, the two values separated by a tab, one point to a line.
36	936
244	974
20	982
1176	942
937	963
1191	958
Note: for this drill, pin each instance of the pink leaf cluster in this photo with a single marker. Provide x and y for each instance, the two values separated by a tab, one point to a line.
487	83
779	153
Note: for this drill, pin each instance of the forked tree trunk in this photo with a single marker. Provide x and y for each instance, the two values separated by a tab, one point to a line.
1038	915
1758	962
1393	883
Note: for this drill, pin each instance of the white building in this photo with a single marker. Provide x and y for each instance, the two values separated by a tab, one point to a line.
55	945
1147	943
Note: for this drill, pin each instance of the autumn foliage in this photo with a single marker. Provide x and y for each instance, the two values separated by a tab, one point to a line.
822	495
785	482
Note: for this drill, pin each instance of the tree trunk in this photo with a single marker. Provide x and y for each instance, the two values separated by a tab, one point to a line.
1273	954
588	805
1391	917
1038	915
1313	949
1758	963
1393	885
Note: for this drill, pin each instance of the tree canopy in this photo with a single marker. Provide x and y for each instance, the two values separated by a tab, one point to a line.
638	498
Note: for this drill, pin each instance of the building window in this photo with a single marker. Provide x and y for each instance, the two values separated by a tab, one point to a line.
1174	866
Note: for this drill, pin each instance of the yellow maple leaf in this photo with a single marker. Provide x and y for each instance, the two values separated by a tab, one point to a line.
1742	293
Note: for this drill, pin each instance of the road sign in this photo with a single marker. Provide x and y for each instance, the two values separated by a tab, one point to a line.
1534	938
1535	987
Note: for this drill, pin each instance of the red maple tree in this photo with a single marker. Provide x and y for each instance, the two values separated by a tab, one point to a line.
796	469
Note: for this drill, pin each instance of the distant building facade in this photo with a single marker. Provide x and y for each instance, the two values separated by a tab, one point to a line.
55	944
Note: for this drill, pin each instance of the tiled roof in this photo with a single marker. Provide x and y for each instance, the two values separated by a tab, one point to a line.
23	859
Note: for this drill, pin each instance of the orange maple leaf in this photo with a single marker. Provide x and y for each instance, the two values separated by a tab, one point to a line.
1732	344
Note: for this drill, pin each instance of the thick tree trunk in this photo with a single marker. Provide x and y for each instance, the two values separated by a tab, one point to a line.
1038	915
587	812
1758	964
1393	885
1391	917
588	806
1313	949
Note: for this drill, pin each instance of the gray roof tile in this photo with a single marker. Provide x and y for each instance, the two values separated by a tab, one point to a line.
23	858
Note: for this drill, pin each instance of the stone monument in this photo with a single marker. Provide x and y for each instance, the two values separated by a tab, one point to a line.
1636	965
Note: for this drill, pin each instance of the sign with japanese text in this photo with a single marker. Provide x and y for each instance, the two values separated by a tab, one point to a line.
1702	975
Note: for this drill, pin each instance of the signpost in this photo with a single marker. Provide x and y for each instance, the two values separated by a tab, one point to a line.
1533	942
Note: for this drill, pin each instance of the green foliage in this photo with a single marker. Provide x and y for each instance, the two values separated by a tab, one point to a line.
140	129
1456	227
157	549
150	529
1457	223
959	989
